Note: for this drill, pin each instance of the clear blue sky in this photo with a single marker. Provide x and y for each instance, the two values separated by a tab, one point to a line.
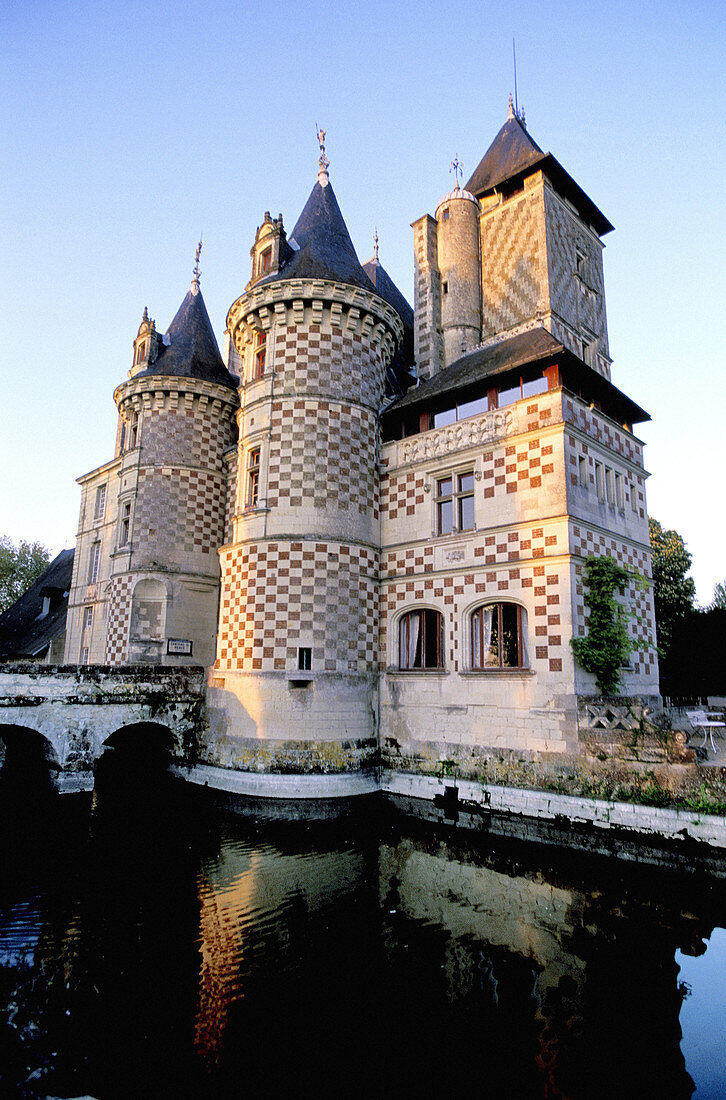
128	130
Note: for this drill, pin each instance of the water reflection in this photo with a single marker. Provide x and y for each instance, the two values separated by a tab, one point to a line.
152	944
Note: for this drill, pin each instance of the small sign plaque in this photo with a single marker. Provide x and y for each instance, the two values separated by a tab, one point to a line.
181	647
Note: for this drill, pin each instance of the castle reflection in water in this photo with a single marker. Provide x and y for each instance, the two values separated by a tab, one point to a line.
182	949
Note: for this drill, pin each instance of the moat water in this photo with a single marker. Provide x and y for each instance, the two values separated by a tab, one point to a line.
155	943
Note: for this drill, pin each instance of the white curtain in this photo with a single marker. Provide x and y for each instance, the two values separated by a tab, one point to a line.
482	625
413	623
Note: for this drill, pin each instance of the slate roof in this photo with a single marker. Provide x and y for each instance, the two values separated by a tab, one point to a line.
23	632
192	350
515	154
323	248
534	347
399	373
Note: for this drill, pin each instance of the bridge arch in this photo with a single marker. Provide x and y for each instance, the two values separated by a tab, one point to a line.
30	762
135	755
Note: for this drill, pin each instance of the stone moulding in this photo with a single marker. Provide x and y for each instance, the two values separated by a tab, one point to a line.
472	432
337	303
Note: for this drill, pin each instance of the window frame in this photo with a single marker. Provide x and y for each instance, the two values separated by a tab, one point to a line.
477	660
252	488
99	510
455	498
259	355
427	621
94	562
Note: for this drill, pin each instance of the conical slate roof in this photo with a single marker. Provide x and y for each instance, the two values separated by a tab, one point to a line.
324	249
513	154
189	348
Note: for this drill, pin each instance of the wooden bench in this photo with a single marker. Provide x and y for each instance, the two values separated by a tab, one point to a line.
707	721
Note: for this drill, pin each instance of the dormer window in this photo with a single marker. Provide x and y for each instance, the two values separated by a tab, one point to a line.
141	351
265	261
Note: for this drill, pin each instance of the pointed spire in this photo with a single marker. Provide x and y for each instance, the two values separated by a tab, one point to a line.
196	273
323	162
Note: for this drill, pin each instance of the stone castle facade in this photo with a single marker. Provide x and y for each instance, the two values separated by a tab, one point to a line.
369	522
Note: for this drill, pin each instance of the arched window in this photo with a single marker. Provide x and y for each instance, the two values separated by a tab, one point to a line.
421	640
498	637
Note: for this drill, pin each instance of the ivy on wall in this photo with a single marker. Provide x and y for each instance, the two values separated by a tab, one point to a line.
607	644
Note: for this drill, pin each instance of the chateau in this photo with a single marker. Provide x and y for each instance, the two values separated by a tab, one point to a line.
368	522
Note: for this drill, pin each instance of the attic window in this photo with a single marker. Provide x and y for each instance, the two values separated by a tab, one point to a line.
265	261
141	351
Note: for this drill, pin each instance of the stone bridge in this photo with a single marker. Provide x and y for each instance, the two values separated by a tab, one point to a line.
69	715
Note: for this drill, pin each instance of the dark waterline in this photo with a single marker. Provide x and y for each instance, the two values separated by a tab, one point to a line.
155	944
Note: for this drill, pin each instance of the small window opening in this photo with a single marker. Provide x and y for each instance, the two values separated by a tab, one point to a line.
446	288
253	477
260	354
304	658
265	261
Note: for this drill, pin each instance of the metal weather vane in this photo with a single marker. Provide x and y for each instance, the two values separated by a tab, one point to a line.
323	160
457	168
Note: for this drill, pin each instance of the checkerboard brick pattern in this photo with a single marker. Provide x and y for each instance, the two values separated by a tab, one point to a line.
580	301
187	432
277	596
517	466
340	364
179	510
119	612
323	453
537	588
401	494
638	598
512	241
604	431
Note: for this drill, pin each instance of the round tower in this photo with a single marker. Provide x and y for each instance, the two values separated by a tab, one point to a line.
298	636
459	262
176	421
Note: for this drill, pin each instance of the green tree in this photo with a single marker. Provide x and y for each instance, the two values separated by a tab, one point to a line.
607	645
20	566
673	591
719	597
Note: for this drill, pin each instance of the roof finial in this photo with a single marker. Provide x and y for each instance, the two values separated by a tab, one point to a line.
458	169
375	244
510	112
323	161
196	273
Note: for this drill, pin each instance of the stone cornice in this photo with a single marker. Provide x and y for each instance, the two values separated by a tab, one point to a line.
156	390
299	301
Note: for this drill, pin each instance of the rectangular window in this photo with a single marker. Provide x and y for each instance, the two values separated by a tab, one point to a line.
100	502
633	497
421	640
600	480
94	563
582	474
260	354
619	492
610	485
265	261
304	658
87	618
455	503
253	477
84	655
125	530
